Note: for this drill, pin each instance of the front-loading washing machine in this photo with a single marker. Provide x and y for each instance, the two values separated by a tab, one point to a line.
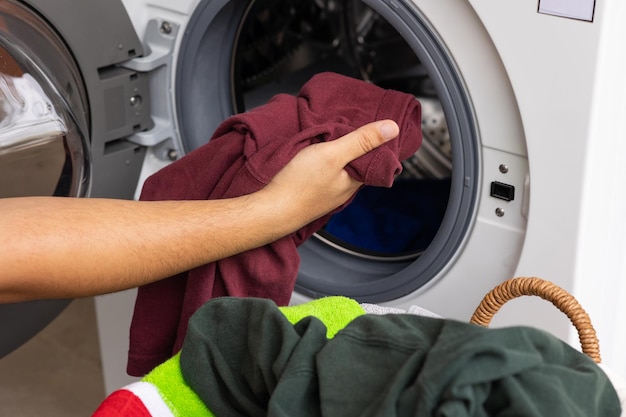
518	174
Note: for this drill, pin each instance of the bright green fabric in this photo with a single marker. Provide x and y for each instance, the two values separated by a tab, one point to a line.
335	312
179	397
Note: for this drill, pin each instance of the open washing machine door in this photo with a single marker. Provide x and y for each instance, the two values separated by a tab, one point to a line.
66	108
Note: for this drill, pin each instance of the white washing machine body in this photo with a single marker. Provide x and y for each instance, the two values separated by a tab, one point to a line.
543	100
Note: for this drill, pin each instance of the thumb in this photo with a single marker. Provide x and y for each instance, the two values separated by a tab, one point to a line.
365	138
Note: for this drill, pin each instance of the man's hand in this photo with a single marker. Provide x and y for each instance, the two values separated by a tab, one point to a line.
315	182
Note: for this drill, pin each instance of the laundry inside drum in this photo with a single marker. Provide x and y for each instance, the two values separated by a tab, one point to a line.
283	43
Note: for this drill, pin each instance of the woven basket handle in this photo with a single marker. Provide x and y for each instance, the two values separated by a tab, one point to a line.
563	300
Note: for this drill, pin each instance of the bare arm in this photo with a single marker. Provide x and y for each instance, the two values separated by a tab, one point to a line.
70	247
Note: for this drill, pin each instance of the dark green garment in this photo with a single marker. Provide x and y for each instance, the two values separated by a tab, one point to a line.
244	358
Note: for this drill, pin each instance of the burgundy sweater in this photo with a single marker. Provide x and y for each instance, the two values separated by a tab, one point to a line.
243	155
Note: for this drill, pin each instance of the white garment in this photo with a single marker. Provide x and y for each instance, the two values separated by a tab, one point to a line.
381	310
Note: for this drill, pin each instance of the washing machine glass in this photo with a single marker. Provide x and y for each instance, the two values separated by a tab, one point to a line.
43	144
43	147
387	242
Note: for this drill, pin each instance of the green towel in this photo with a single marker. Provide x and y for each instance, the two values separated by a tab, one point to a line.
244	358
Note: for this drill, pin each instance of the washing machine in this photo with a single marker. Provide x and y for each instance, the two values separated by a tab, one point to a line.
520	169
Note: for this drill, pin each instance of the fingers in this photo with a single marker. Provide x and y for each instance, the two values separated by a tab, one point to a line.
365	139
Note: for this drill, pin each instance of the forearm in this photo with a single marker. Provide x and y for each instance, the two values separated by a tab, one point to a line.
55	247
66	247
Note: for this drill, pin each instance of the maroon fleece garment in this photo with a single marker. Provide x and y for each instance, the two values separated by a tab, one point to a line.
243	155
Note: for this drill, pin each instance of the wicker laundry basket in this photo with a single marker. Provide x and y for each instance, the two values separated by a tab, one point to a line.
564	301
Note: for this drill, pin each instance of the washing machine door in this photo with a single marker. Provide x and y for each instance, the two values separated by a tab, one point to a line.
62	117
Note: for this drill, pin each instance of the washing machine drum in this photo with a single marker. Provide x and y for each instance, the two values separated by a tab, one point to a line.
388	242
50	142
